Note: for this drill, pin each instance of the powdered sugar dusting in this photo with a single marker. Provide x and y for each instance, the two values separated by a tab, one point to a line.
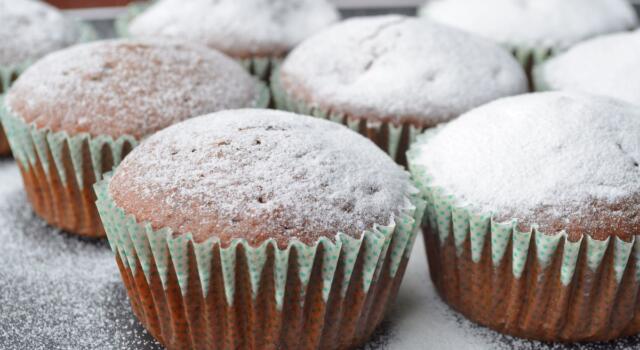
563	154
606	65
400	67
132	87
535	23
31	29
237	27
259	174
56	291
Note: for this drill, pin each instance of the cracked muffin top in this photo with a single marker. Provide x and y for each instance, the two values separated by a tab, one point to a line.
564	161
257	175
31	29
400	69
239	28
129	87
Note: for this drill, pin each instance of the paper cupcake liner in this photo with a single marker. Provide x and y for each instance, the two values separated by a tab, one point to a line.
59	169
199	295
528	284
259	66
392	138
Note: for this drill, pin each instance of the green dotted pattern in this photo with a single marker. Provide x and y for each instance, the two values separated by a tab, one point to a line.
569	260
288	103
30	145
452	217
138	243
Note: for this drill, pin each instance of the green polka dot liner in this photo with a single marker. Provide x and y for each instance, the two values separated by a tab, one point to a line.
137	243
31	145
390	132
260	67
451	218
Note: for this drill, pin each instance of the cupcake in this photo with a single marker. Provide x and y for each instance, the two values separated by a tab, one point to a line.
534	29
76	113
390	77
532	215
607	65
237	230
258	33
30	30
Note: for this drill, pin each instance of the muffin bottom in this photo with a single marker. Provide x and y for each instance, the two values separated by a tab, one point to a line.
592	307
306	321
65	203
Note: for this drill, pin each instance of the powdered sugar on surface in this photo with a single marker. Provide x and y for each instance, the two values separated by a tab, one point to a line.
535	23
607	65
30	29
553	152
58	292
257	174
129	87
239	28
401	68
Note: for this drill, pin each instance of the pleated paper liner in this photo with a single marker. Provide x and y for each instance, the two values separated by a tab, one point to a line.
9	74
59	169
203	295
527	284
390	137
258	66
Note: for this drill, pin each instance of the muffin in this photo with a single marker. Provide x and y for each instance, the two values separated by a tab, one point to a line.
607	65
534	29
76	113
237	230
390	77
30	30
258	33
532	215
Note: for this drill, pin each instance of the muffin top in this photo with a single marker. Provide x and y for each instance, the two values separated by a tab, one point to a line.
400	69
558	159
31	29
239	28
260	174
534	23
607	66
129	87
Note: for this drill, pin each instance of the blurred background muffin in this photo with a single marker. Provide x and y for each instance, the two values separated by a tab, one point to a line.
76	113
607	65
258	33
29	30
534	29
390	77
